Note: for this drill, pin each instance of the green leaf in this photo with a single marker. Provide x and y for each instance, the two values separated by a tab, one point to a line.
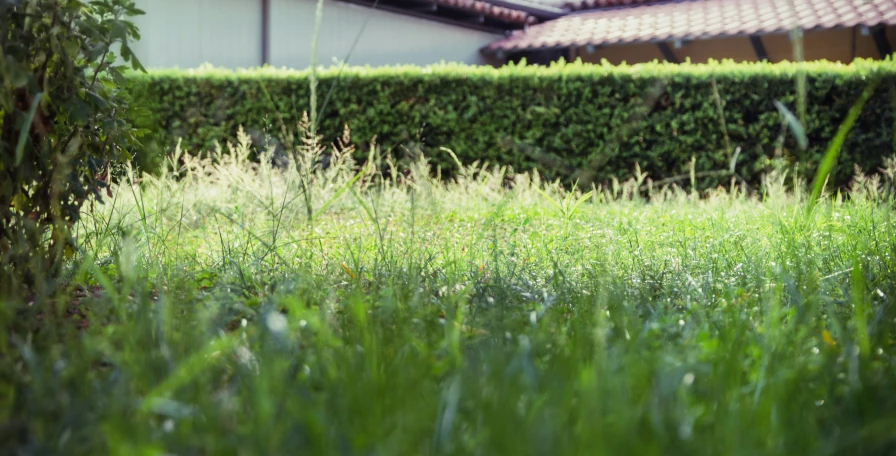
136	64
96	52
18	77
80	111
118	31
97	99
126	52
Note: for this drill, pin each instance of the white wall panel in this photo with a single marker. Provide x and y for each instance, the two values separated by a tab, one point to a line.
227	33
188	33
389	38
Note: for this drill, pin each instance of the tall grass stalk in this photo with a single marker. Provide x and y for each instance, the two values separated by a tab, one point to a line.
796	38
318	19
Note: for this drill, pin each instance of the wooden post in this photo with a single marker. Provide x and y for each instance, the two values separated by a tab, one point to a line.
759	47
880	40
667	52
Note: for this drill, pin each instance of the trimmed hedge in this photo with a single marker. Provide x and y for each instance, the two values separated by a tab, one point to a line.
570	120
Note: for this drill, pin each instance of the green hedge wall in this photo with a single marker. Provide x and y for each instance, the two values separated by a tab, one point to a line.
570	120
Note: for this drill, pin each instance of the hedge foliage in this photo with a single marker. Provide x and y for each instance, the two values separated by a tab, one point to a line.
569	120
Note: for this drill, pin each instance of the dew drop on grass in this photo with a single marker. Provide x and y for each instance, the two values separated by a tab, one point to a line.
533	317
302	323
246	358
688	379
243	322
685	431
819	402
65	436
276	322
168	425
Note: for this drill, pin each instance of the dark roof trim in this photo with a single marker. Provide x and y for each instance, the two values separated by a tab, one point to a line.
460	17
539	11
584	6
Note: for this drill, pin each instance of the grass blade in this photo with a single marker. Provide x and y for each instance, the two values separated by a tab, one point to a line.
351	50
833	151
318	18
188	370
551	200
23	134
795	125
861	308
342	190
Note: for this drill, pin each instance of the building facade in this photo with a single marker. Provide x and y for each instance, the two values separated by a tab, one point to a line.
250	33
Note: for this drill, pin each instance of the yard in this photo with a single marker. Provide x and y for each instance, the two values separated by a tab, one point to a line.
733	296
490	314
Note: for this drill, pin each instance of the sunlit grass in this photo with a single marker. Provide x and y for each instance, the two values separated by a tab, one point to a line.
493	314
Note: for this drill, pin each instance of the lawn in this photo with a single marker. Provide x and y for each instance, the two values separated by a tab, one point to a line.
487	314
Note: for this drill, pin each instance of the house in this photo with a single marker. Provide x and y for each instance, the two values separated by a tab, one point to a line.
249	33
676	30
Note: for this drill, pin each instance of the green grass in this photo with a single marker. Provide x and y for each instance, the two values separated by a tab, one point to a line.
464	317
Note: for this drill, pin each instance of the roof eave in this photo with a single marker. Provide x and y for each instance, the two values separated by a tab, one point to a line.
488	50
539	11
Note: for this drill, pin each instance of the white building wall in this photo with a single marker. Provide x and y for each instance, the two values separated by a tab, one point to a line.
388	39
188	33
227	33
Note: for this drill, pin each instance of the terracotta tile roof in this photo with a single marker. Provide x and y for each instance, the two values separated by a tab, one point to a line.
486	9
695	19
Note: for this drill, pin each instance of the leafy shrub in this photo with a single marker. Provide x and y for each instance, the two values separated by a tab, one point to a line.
587	122
66	123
